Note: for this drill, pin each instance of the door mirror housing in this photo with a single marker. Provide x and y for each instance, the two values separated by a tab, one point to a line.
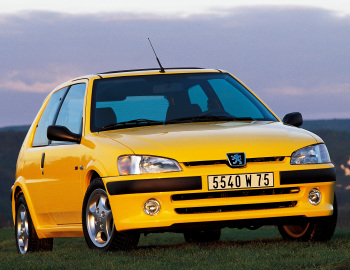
61	133
293	119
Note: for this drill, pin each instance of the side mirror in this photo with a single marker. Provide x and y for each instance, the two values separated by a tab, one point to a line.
61	133
293	119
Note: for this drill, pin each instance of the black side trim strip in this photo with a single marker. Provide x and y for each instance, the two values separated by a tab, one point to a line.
154	185
308	176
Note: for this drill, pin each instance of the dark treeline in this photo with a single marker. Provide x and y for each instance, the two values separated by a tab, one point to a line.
334	124
10	144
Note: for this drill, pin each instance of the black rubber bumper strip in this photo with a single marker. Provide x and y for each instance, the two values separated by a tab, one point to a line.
307	176
154	185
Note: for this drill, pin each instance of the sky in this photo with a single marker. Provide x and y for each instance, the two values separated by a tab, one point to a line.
294	56
179	8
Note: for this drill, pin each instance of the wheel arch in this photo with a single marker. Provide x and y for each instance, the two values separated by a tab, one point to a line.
90	175
20	188
14	197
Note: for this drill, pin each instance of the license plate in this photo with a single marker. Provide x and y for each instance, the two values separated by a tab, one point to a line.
236	181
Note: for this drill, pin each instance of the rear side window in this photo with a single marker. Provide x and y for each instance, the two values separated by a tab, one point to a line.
48	117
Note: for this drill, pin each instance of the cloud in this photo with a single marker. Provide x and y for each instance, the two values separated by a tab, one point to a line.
333	89
22	86
19	108
37	80
283	54
324	102
286	91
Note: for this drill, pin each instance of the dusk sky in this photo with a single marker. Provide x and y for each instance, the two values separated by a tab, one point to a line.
295	57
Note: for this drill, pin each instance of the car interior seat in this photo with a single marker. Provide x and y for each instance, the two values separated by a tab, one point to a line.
104	117
176	111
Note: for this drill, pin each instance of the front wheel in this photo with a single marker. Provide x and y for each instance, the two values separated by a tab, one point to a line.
98	223
321	229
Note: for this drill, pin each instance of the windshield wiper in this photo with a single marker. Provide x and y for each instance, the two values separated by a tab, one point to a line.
199	118
131	123
208	117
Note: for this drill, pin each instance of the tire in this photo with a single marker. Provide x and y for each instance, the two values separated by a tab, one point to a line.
317	230
98	223
200	236
26	238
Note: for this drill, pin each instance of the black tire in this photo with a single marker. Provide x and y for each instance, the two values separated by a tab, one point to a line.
200	236
98	223
26	238
317	230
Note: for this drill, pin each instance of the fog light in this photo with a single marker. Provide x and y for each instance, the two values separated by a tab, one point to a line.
151	207
315	196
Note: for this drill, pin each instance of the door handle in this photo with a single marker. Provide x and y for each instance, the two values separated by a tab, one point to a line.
42	163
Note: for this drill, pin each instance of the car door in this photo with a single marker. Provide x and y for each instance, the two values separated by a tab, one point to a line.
33	157
62	187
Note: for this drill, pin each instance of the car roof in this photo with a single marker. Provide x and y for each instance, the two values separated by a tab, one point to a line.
149	69
137	72
155	71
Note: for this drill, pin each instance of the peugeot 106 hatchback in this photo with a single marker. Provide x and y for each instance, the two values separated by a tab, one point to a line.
188	150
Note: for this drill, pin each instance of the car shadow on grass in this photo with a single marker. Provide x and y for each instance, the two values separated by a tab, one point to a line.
235	238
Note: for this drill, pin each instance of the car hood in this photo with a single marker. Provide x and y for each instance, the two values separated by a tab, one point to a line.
211	141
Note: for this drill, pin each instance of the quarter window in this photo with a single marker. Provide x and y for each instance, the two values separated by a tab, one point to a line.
48	117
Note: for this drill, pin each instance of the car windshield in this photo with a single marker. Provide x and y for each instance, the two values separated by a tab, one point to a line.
130	101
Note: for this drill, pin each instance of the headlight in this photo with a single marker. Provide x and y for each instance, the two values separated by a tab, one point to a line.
313	154
146	164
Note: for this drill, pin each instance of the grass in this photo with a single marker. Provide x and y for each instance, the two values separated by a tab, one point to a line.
238	249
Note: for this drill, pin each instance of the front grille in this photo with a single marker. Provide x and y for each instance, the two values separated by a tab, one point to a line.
233	208
235	193
215	162
265	159
205	163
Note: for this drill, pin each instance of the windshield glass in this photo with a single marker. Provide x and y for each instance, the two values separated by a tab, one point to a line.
170	98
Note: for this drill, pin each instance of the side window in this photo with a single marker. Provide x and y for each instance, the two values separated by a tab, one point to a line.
48	118
197	96
71	112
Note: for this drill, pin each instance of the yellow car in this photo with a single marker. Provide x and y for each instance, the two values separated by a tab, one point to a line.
189	150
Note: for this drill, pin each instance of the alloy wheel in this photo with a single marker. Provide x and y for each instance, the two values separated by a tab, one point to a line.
22	229
99	219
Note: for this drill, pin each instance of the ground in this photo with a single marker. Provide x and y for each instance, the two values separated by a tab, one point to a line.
238	249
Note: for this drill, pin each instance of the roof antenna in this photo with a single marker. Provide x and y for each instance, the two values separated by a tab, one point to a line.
160	65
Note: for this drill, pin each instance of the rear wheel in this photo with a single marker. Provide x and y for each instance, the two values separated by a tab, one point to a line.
98	223
26	238
320	229
198	236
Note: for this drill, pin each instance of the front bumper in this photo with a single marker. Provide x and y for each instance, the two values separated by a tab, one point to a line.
186	201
